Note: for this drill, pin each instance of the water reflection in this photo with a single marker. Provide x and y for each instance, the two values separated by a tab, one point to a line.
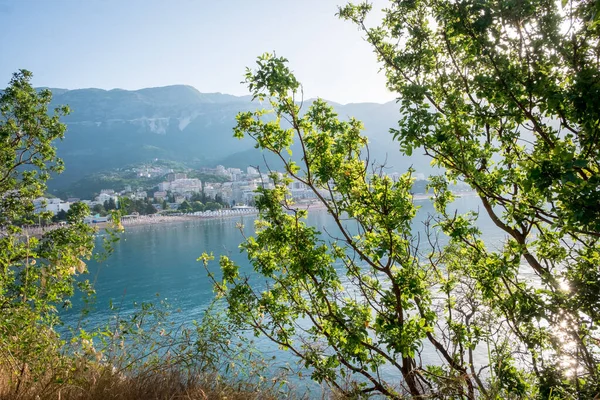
161	259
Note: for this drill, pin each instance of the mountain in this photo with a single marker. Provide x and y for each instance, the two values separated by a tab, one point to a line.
111	128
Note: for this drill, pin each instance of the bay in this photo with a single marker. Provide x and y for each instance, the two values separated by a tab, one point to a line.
159	262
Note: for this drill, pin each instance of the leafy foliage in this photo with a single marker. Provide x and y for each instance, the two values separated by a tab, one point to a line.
133	356
503	99
37	274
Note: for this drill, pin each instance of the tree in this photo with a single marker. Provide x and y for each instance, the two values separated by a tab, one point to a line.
61	215
505	98
197	206
212	206
110	204
196	196
185	206
149	209
127	205
98	209
505	101
37	274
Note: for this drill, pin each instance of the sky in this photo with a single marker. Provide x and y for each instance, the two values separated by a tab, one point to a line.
132	44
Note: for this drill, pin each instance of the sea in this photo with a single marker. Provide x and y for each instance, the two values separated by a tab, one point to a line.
158	263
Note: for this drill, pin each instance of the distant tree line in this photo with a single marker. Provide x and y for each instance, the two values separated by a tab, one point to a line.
194	206
126	206
203	202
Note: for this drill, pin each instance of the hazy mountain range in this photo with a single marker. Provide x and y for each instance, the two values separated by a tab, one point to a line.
114	128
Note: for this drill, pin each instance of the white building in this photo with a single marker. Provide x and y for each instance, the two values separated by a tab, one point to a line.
222	171
103	197
186	185
54	205
181	186
139	195
211	190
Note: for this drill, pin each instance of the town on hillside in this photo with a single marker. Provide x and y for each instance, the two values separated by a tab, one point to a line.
232	188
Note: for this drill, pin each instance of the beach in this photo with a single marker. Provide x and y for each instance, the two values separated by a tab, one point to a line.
138	220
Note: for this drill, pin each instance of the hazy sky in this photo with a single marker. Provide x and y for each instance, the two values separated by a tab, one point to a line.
132	44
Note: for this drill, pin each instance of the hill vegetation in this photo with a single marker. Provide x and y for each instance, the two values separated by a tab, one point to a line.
109	130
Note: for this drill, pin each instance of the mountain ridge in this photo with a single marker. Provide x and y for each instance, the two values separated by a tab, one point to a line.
111	128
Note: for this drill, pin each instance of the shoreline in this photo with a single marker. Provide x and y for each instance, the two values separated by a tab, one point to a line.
153	219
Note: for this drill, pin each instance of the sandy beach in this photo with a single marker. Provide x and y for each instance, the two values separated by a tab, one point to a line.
150	220
226	213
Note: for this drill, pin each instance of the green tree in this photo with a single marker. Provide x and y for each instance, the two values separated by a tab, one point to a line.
196	197
212	206
219	199
61	215
148	208
99	209
37	274
197	206
503	100
185	206
110	204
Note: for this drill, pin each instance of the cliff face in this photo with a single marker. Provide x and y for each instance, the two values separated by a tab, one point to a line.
110	129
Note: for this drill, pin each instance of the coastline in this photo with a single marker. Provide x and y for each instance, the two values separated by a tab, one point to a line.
150	220
226	213
162	219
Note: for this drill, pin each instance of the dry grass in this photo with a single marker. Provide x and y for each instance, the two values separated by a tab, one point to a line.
101	383
135	360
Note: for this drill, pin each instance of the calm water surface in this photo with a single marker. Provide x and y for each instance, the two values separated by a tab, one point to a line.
159	262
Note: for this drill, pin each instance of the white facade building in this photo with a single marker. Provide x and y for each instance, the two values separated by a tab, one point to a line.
186	185
54	205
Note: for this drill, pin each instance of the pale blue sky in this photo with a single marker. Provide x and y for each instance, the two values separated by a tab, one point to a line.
132	44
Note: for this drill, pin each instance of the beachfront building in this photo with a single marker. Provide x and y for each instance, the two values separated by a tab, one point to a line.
54	205
226	192
107	195
300	191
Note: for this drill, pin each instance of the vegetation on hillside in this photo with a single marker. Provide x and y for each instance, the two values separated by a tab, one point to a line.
132	176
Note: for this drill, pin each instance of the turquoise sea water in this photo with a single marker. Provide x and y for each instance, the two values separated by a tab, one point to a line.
161	259
155	262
